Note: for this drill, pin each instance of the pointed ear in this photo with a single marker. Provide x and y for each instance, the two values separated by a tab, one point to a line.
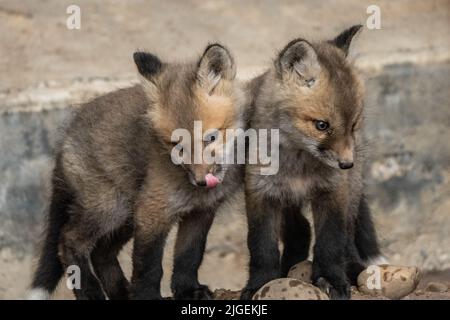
343	40
300	57
216	64
147	64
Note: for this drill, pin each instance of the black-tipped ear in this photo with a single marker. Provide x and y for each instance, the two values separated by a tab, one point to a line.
300	57
216	64
147	64
344	39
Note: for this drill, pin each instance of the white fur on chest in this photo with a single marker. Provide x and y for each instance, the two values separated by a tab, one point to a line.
299	186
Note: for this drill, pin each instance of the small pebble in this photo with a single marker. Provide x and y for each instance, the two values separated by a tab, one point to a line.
224	294
419	293
436	287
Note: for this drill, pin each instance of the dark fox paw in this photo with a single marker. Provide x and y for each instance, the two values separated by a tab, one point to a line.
248	293
353	270
335	292
145	295
89	294
200	293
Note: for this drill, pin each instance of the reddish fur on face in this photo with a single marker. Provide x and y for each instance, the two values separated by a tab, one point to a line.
215	111
179	100
336	97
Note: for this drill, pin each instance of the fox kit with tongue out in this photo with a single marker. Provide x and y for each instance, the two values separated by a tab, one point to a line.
115	178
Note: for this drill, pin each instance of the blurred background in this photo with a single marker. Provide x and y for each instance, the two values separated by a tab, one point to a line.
46	67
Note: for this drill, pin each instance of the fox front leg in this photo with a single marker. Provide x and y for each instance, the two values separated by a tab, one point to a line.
262	240
329	271
296	237
189	249
152	225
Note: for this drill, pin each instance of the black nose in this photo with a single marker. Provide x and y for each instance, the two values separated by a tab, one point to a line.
201	183
345	165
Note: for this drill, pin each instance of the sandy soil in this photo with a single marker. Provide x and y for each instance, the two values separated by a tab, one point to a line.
223	269
37	46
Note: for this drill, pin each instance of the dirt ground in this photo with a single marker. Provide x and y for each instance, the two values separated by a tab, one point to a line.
38	47
223	269
14	279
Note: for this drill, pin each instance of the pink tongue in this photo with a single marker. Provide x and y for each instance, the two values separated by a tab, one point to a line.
211	180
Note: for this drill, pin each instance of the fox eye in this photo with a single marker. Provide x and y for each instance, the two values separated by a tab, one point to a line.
321	125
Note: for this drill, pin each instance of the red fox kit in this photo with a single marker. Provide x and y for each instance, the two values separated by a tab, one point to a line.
313	95
114	179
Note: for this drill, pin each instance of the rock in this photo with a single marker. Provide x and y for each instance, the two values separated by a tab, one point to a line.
301	271
419	293
436	287
393	282
289	289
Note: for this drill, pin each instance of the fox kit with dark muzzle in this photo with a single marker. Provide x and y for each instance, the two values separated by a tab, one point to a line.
115	178
314	97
